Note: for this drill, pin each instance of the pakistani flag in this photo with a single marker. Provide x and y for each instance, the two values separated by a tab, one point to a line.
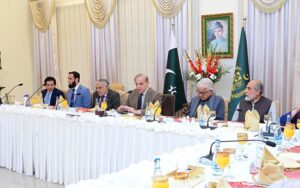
241	76
173	80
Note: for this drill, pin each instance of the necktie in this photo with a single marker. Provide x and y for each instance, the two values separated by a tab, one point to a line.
47	98
140	102
101	100
72	98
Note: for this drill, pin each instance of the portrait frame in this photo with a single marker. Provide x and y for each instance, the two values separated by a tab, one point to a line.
223	45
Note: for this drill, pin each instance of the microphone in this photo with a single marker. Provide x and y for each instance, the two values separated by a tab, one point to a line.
113	102
6	94
164	99
77	94
207	123
206	158
34	93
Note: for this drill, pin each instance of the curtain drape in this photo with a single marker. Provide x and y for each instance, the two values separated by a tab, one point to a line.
135	40
74	43
269	6
296	94
42	12
104	52
46	54
271	50
100	11
168	8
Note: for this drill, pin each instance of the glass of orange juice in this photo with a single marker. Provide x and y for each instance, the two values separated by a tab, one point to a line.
160	182
298	123
222	159
289	131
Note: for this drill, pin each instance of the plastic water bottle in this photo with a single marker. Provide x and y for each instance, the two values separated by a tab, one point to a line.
25	98
278	133
157	170
214	167
147	113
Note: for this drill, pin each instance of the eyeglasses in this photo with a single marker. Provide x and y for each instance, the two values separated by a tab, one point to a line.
202	93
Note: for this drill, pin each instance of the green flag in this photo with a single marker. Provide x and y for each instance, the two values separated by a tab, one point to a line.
241	76
173	80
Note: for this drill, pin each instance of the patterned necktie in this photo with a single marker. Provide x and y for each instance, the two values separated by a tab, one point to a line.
140	102
47	98
72	98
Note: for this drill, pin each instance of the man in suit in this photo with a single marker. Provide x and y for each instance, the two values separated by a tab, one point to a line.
206	96
51	93
103	93
255	100
78	95
141	96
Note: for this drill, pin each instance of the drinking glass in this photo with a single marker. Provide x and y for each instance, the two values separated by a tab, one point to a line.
288	133
222	159
160	182
240	137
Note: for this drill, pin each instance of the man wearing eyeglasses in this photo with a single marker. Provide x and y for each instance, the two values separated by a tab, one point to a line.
206	96
255	100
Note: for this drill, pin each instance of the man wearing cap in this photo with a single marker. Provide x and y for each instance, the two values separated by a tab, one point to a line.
219	44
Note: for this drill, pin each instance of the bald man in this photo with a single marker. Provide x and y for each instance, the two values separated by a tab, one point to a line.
142	95
255	100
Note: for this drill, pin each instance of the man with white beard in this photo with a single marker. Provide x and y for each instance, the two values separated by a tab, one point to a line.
255	100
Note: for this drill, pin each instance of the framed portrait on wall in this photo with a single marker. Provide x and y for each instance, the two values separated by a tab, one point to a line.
217	34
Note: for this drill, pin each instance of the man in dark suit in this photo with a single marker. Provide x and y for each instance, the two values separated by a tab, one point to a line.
78	95
51	93
103	93
141	96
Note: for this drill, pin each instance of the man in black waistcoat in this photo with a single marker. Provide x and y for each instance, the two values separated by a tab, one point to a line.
255	100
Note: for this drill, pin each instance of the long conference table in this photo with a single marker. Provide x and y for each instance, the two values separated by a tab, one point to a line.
64	148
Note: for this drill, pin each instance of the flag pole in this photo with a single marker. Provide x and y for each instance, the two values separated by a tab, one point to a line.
244	21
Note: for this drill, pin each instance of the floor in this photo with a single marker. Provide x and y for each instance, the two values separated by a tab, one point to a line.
9	179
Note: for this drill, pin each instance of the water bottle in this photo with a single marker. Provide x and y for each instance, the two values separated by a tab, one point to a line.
278	133
57	104
25	98
214	167
157	171
148	113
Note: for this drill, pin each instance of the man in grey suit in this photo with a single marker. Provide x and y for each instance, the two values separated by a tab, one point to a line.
103	93
206	96
141	96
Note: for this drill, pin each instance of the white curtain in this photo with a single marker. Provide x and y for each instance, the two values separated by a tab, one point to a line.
45	54
162	42
104	52
271	50
74	42
296	95
136	40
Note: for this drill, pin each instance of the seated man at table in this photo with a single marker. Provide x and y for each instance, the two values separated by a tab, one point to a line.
206	96
294	114
255	100
78	95
103	93
141	96
51	93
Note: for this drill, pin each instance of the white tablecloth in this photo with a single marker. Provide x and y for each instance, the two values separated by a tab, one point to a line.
139	175
62	149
